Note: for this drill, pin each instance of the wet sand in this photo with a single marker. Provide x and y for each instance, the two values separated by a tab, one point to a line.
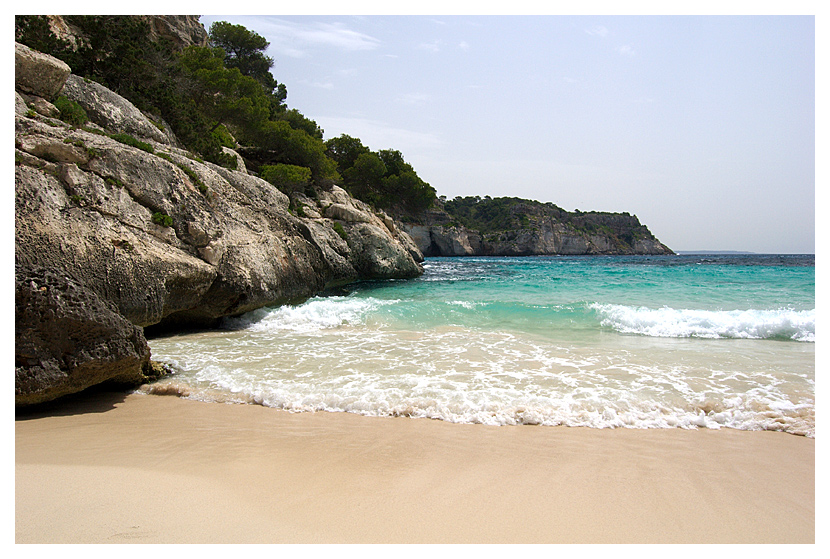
116	468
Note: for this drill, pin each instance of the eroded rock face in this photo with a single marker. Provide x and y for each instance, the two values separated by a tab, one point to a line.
182	31
160	239
68	339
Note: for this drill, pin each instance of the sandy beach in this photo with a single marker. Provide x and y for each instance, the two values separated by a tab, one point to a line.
116	468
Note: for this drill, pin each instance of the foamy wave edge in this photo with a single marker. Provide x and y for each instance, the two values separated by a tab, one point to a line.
318	313
799	421
690	323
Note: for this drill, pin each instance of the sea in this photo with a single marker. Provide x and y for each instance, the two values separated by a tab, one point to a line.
686	341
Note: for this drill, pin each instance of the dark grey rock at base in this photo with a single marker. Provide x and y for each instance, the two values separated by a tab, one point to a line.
68	339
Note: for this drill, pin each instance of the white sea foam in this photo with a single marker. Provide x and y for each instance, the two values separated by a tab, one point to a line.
316	314
470	305
494	378
685	323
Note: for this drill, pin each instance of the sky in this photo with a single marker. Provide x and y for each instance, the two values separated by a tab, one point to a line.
702	126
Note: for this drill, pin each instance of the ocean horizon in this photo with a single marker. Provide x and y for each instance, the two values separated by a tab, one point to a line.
695	340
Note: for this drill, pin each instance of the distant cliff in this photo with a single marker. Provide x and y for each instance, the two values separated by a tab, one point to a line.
117	229
475	226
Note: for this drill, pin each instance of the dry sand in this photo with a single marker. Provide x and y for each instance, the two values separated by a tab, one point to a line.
115	468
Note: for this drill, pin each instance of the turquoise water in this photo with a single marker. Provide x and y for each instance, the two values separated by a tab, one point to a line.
642	342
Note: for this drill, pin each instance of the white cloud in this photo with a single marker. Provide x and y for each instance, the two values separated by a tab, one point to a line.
464	45
626	50
295	39
597	31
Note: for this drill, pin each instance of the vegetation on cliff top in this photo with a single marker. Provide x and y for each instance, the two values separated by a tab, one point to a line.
489	216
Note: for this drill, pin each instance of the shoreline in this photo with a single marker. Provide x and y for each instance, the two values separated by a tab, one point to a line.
135	468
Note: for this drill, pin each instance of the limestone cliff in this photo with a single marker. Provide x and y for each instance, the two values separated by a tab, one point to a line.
117	229
516	227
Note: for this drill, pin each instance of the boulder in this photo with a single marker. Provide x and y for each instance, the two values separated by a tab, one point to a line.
38	73
349	213
110	111
20	106
374	257
68	339
41	106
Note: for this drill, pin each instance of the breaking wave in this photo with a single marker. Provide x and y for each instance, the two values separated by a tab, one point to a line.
315	314
781	324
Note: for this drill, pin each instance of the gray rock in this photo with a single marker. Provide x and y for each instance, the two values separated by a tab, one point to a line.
182	31
240	163
376	258
41	106
111	111
68	339
38	73
347	213
439	240
20	107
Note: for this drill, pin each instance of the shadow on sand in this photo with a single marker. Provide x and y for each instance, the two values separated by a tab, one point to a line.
89	401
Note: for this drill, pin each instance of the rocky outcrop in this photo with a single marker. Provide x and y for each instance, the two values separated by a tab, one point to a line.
37	73
180	31
145	236
547	230
111	111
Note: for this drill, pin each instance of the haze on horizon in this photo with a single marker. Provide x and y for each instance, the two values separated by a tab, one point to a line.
702	126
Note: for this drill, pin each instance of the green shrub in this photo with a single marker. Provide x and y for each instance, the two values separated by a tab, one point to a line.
224	137
226	160
71	112
340	231
288	178
299	211
162	219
